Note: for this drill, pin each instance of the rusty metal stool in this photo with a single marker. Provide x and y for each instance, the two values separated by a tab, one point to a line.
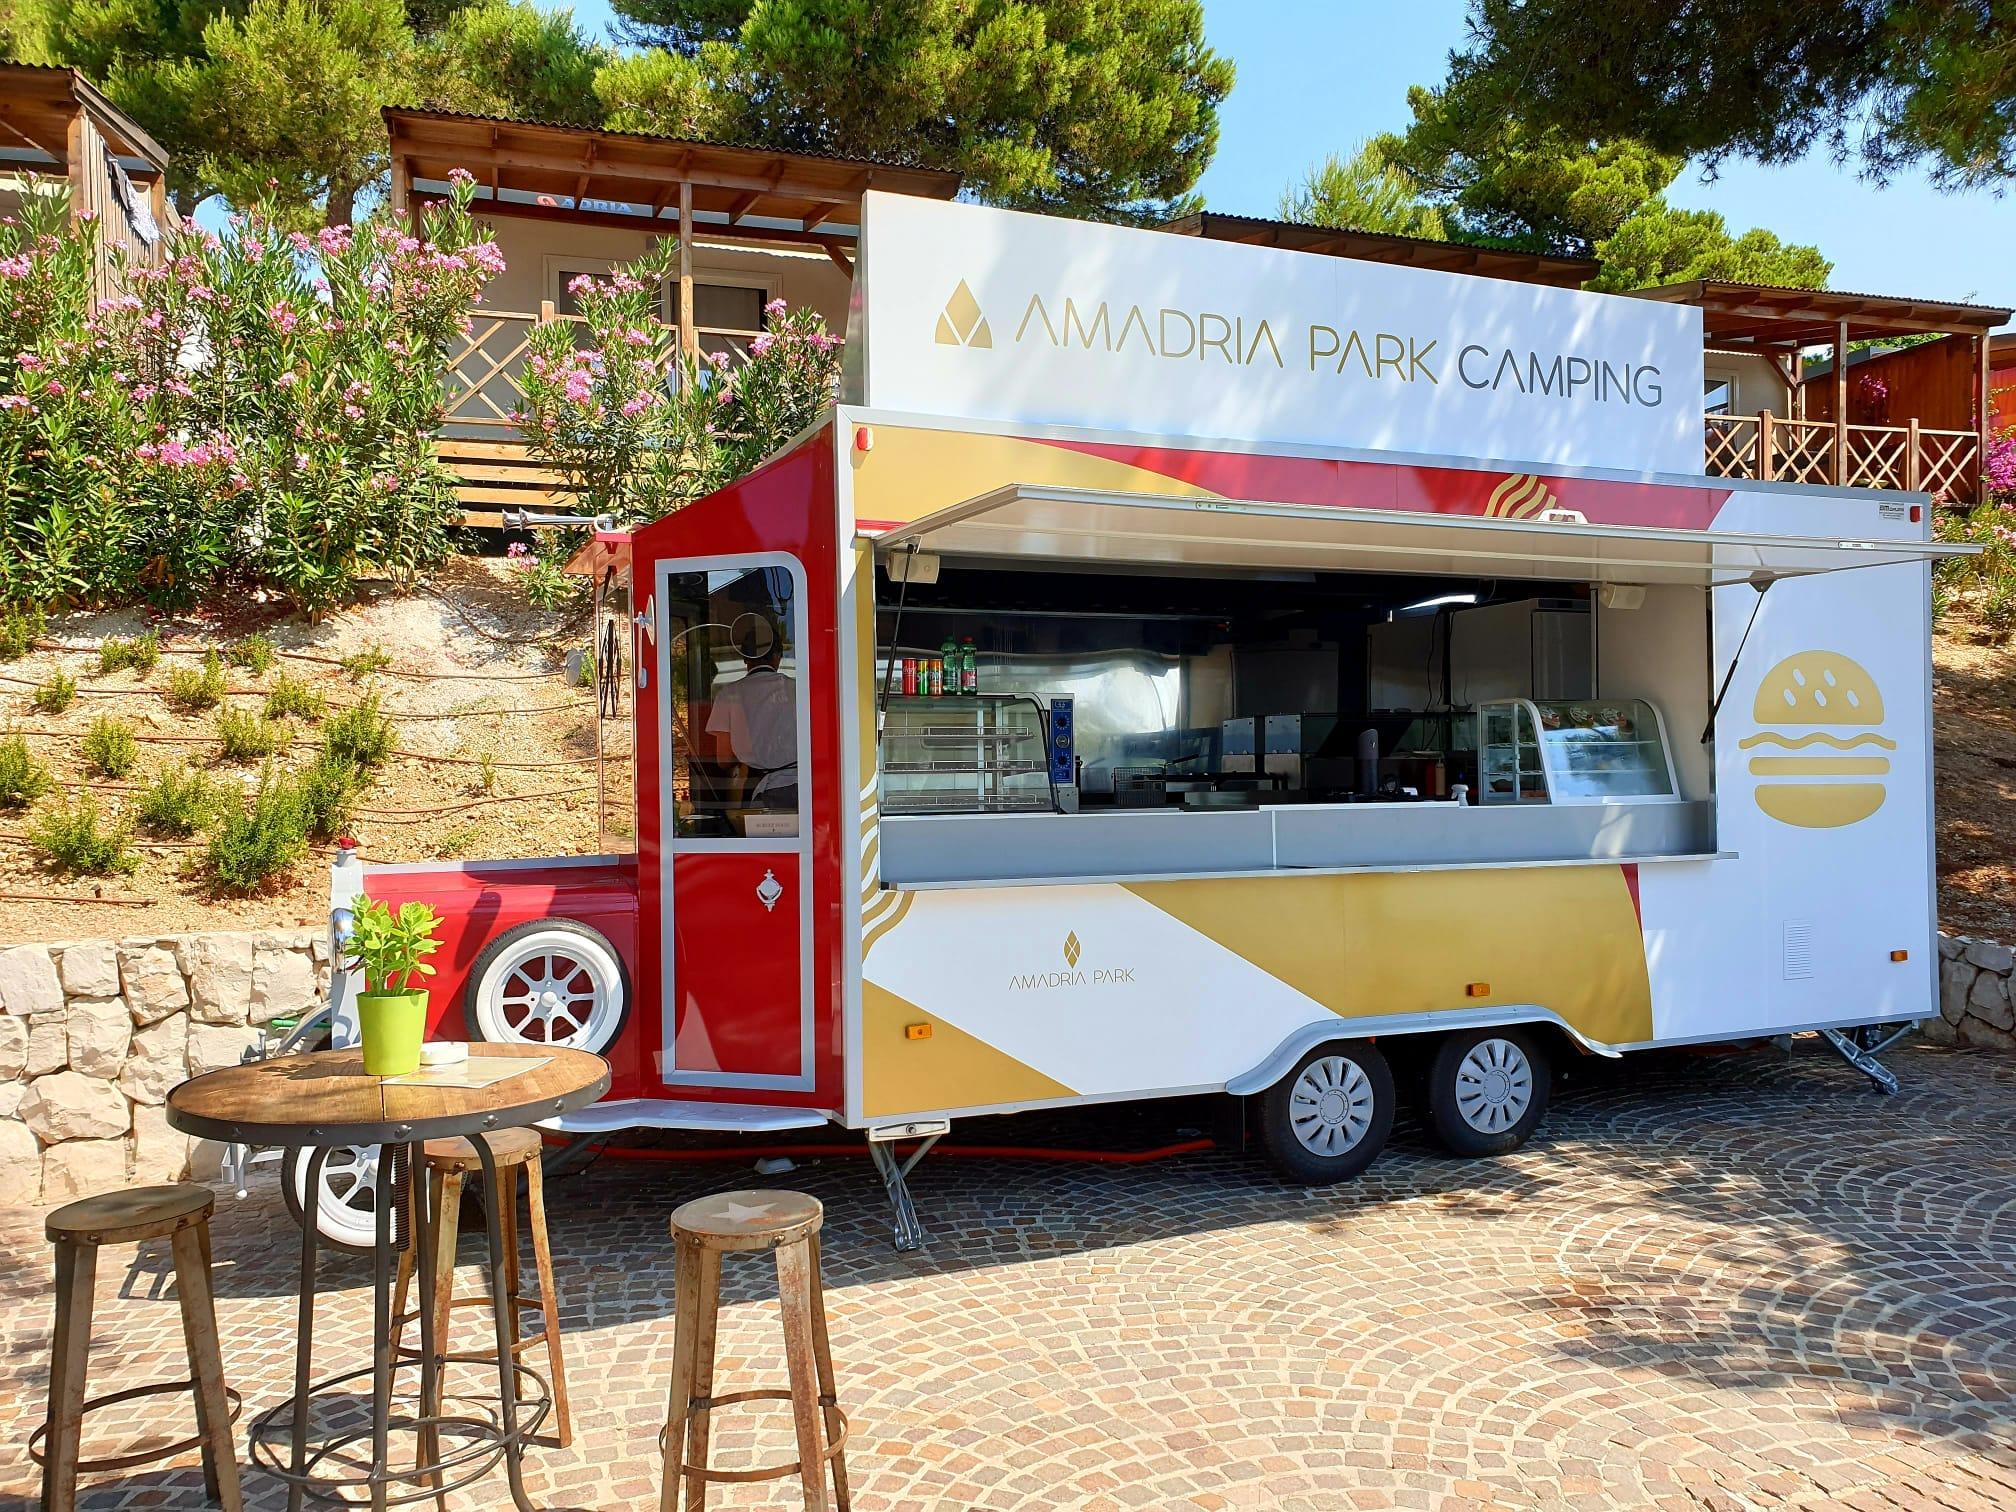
702	1231
449	1162
180	1214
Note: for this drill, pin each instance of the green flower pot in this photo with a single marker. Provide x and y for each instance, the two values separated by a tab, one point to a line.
393	1024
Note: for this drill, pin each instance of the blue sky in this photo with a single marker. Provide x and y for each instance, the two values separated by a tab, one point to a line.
1317	76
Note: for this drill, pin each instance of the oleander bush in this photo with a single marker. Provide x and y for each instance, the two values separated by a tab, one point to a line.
256	414
1982	588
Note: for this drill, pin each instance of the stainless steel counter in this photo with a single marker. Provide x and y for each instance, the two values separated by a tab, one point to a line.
991	849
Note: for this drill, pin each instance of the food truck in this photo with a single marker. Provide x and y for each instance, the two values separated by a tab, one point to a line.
1177	667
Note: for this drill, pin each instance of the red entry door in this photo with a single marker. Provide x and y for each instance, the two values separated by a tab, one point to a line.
735	778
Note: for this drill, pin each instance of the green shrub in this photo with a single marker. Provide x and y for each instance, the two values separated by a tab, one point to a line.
360	734
361	664
254	653
584	675
18	629
329	788
108	748
179	802
138	653
23	779
191	689
250	844
243	735
73	838
294	696
54	696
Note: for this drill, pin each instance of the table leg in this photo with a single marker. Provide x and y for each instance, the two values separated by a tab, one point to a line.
304	1327
426	1225
390	1157
507	1362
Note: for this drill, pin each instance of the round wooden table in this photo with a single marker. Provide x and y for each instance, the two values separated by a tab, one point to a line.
323	1100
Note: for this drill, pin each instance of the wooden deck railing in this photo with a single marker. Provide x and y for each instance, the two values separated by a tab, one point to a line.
1769	448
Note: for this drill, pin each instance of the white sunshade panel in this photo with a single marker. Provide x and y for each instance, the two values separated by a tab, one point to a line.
1068	524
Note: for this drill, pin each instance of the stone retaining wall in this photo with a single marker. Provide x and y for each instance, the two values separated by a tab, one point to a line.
1977	994
93	1034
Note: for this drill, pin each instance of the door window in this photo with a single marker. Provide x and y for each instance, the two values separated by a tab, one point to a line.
734	676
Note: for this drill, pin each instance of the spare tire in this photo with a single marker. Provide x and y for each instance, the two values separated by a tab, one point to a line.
549	982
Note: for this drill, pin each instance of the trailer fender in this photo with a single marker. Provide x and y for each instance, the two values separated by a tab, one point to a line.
1283	1058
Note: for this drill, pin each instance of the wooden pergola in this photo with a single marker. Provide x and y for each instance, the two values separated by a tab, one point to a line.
1783	324
54	124
1376	246
676	186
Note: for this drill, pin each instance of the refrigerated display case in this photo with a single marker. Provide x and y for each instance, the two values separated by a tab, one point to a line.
1573	751
967	754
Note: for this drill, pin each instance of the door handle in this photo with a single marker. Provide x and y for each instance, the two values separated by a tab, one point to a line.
769	890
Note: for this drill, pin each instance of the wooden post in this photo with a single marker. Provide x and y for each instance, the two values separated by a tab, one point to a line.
689	339
1981	417
1911	469
1841	404
1764	447
402	182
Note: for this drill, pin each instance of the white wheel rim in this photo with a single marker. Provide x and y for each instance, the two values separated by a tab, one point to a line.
1494	1086
1330	1106
345	1205
552	987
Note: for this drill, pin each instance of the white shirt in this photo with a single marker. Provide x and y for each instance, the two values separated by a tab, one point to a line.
758	712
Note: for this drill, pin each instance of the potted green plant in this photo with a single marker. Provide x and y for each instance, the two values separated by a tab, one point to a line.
389	947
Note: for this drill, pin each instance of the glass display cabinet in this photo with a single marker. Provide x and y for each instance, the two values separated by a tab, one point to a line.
1561	750
965	754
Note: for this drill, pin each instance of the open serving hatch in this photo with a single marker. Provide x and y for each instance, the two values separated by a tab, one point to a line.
1035	522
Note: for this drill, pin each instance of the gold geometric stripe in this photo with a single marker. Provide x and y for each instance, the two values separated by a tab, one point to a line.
889	923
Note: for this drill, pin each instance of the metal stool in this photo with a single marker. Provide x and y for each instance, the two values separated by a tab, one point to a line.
702	1231
448	1164
181	1214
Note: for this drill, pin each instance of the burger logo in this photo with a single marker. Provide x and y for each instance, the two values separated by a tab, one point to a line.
1827	709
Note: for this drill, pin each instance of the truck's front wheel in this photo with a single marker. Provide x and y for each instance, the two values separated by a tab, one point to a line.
1326	1120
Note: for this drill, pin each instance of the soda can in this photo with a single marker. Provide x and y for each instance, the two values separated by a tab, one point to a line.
909	677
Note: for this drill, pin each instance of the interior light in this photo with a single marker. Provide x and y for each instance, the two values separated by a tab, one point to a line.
1436	603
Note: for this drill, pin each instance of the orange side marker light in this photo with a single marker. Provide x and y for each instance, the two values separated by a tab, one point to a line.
1900	955
916	1031
1478	989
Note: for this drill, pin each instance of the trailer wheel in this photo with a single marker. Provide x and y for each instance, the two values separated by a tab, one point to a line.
549	982
1328	1119
1487	1090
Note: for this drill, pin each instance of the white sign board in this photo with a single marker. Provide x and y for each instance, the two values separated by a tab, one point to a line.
997	315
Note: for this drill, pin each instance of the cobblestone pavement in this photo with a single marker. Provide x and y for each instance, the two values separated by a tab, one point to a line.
1733	1281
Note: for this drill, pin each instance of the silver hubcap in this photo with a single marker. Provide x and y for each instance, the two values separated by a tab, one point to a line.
1330	1107
1494	1086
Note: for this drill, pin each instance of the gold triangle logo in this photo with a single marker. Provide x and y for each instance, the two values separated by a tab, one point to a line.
961	323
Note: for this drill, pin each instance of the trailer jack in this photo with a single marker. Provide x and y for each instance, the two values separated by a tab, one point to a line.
895	1172
1861	1046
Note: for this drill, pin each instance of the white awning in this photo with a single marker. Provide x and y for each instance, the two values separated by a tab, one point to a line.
1031	522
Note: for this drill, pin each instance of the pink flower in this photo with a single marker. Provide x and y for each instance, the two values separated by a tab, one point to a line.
580	386
284	319
636	404
461	176
334	240
15	401
775	307
15	267
761	344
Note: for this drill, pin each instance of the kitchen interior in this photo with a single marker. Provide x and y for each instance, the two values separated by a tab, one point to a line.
1010	688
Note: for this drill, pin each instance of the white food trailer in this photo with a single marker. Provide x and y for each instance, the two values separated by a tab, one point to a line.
1341	656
